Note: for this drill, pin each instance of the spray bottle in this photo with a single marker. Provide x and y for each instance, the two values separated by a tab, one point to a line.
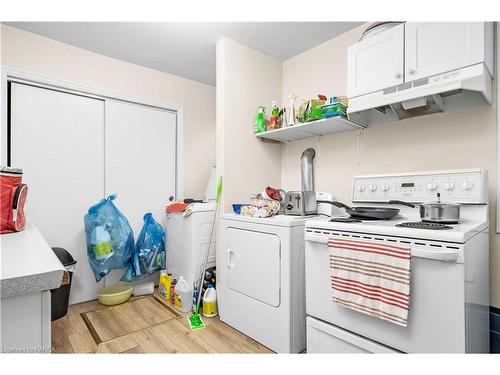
260	121
291	112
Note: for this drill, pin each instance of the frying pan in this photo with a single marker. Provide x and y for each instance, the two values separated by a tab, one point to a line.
366	213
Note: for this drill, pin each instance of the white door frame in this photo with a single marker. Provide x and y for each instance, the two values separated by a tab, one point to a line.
496	63
14	75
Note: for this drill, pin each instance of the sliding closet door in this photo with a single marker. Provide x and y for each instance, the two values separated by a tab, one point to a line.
140	162
57	138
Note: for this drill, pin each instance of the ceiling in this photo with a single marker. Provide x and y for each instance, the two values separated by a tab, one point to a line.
186	49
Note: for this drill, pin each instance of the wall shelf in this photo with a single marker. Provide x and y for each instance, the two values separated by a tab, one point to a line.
316	128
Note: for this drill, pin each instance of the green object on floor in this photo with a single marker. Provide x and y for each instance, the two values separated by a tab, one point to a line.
194	320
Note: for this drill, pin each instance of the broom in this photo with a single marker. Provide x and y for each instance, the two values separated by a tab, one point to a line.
194	320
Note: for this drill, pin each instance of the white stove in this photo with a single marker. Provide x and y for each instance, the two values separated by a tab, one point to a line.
449	296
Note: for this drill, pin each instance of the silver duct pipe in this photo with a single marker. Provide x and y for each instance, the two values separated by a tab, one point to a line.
306	169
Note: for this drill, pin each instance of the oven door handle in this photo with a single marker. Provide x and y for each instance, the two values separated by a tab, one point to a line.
442	255
416	252
316	238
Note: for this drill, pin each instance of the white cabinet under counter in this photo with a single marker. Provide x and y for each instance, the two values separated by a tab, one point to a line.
29	270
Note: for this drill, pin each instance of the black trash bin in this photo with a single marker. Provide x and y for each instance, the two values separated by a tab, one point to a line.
60	296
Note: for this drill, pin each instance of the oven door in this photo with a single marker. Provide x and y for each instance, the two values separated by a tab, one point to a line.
436	321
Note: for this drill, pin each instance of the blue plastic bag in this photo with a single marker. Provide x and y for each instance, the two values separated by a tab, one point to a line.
149	252
110	240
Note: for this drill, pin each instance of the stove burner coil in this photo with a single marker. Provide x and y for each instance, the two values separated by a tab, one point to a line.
424	225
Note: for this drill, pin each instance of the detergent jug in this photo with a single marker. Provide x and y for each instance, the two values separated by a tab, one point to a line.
172	291
210	302
164	285
183	295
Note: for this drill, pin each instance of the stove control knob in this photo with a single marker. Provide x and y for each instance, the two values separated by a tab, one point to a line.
361	188
449	185
385	187
466	185
373	187
431	186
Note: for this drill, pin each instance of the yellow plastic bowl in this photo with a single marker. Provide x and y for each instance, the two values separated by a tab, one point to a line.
115	294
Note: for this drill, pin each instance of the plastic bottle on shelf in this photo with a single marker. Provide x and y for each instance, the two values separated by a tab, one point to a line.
260	121
291	111
274	120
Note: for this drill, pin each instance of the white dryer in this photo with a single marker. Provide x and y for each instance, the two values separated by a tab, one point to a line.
260	279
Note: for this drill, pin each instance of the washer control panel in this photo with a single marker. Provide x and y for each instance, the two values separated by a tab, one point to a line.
463	186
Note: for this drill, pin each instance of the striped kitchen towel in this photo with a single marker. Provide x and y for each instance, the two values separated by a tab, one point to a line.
371	277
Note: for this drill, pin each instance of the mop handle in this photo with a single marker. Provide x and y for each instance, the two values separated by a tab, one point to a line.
217	199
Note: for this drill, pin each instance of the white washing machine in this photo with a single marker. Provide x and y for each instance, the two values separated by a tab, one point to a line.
260	279
187	241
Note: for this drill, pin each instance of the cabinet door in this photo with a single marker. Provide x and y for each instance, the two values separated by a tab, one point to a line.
376	62
437	47
57	138
140	162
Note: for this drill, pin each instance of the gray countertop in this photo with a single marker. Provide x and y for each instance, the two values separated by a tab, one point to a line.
28	264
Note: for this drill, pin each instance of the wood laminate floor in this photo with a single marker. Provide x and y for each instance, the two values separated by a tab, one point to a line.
143	325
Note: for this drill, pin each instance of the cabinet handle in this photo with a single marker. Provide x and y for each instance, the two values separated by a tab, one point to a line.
397	75
412	71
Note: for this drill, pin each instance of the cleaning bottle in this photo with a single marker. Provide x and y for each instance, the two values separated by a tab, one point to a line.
210	302
260	121
164	284
183	295
172	291
274	119
291	111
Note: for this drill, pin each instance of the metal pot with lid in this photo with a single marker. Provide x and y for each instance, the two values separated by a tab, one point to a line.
435	212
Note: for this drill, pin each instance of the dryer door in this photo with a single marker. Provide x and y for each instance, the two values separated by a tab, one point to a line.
253	264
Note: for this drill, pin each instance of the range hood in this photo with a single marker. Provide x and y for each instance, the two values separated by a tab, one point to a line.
452	91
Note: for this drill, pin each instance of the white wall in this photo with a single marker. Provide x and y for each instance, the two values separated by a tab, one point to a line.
36	54
443	141
246	79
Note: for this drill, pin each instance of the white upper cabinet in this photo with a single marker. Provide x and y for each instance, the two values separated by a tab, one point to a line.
376	62
438	47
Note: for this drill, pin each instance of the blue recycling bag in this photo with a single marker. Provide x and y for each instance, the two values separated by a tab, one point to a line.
148	256
110	240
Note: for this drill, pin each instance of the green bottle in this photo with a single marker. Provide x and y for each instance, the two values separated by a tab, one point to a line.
260	121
